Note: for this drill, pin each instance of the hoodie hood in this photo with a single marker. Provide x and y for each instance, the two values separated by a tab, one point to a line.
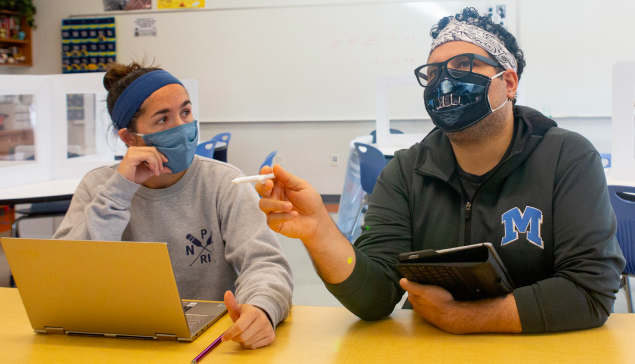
437	159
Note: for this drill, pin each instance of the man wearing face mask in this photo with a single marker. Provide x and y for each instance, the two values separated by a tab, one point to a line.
161	191
490	172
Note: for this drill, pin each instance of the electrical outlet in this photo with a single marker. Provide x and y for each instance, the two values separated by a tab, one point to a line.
335	160
279	159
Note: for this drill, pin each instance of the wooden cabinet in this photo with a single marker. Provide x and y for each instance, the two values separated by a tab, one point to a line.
11	46
9	139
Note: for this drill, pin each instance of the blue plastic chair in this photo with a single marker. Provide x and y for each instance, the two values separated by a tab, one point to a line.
606	157
392	131
371	163
269	160
220	154
623	202
206	149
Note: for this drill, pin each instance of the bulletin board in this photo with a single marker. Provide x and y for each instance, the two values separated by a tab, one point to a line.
88	45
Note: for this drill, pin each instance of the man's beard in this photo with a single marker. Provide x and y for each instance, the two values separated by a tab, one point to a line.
482	131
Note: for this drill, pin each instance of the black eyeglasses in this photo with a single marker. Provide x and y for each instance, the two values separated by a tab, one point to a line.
457	67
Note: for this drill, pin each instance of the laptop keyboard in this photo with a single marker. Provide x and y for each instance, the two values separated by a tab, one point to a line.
434	275
193	320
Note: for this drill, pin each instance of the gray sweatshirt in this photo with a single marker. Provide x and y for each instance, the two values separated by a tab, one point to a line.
217	237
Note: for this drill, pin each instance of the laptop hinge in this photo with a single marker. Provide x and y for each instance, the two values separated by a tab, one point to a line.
54	330
165	337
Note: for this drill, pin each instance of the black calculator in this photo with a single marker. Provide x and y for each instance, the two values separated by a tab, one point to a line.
469	273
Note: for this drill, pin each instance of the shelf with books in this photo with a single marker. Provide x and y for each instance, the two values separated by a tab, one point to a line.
15	40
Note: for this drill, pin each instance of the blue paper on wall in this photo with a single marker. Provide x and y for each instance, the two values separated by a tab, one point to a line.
88	45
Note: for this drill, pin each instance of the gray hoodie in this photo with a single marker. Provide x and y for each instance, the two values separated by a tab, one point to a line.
217	237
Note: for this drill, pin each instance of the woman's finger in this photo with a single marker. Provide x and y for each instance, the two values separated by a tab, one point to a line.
148	158
249	332
255	337
159	157
262	342
233	308
156	167
241	324
151	155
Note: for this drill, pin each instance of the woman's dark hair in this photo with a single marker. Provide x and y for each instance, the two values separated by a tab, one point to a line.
117	78
471	16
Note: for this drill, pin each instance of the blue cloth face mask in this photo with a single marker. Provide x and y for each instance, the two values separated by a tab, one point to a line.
178	144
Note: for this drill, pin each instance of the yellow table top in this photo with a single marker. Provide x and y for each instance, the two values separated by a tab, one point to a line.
323	335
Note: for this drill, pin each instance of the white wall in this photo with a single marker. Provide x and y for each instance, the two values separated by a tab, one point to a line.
309	157
306	147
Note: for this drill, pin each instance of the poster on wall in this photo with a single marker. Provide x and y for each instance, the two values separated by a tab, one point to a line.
180	4
113	5
145	27
88	45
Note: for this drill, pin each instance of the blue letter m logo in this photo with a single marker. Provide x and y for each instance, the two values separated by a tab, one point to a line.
517	222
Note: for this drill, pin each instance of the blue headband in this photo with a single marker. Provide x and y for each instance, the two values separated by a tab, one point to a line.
136	93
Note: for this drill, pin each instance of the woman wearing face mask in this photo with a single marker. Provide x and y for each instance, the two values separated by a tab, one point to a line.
217	237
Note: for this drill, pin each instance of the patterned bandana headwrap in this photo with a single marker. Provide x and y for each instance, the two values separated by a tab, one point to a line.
458	30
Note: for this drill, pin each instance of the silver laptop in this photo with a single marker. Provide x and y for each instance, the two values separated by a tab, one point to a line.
104	288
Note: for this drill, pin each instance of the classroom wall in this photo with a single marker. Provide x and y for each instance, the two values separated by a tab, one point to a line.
306	147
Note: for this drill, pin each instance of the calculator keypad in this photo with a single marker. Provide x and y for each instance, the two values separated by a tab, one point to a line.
434	275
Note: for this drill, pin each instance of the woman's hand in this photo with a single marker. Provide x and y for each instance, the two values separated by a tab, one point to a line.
293	207
251	329
141	163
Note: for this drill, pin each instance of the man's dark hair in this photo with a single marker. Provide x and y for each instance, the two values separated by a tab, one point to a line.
471	16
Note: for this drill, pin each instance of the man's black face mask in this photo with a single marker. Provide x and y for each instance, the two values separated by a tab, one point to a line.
456	104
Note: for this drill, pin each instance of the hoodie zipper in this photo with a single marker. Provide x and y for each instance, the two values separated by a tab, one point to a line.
468	223
470	204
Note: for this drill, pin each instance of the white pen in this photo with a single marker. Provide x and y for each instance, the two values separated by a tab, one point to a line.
261	178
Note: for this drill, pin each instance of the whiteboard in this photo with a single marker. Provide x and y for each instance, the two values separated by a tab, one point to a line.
571	47
307	63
